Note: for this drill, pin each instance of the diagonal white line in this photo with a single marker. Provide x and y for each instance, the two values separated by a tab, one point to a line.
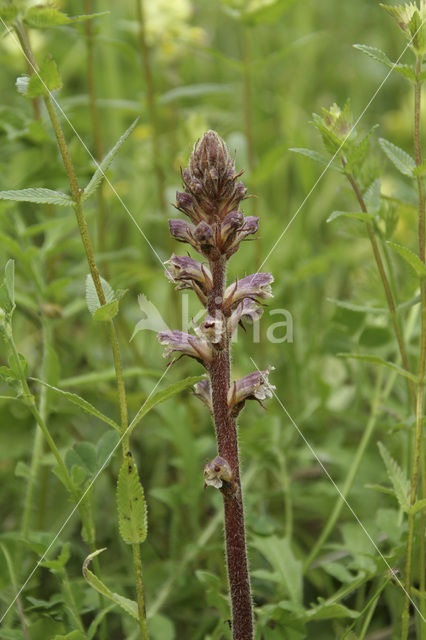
324	171
84	145
299	431
92	482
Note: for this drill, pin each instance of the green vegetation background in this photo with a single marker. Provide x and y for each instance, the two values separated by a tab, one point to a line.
257	83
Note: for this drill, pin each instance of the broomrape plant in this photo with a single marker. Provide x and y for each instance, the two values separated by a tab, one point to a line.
211	200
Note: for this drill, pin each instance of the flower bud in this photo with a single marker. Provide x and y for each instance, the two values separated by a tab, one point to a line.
217	472
210	179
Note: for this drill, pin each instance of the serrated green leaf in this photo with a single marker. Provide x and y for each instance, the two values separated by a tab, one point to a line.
372	197
80	402
109	310
402	160
39	195
44	80
131	505
381	362
400	482
92	299
99	174
129	606
313	155
358	215
410	258
161	396
376	54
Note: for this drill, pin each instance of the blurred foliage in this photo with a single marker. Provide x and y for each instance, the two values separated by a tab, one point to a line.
255	72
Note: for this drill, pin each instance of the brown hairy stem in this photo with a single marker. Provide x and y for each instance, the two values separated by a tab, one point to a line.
227	440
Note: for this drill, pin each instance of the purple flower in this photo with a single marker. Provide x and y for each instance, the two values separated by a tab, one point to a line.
255	386
246	310
203	391
182	231
188	204
249	226
256	286
184	268
217	472
186	344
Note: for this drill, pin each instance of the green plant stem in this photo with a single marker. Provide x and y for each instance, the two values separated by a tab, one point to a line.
96	127
140	591
382	272
334	515
38	437
152	106
418	434
84	233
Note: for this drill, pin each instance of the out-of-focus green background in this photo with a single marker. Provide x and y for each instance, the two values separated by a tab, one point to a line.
255	75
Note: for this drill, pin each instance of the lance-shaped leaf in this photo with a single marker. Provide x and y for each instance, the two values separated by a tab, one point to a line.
376	54
161	396
39	195
131	505
359	215
82	403
380	361
99	174
400	483
129	606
